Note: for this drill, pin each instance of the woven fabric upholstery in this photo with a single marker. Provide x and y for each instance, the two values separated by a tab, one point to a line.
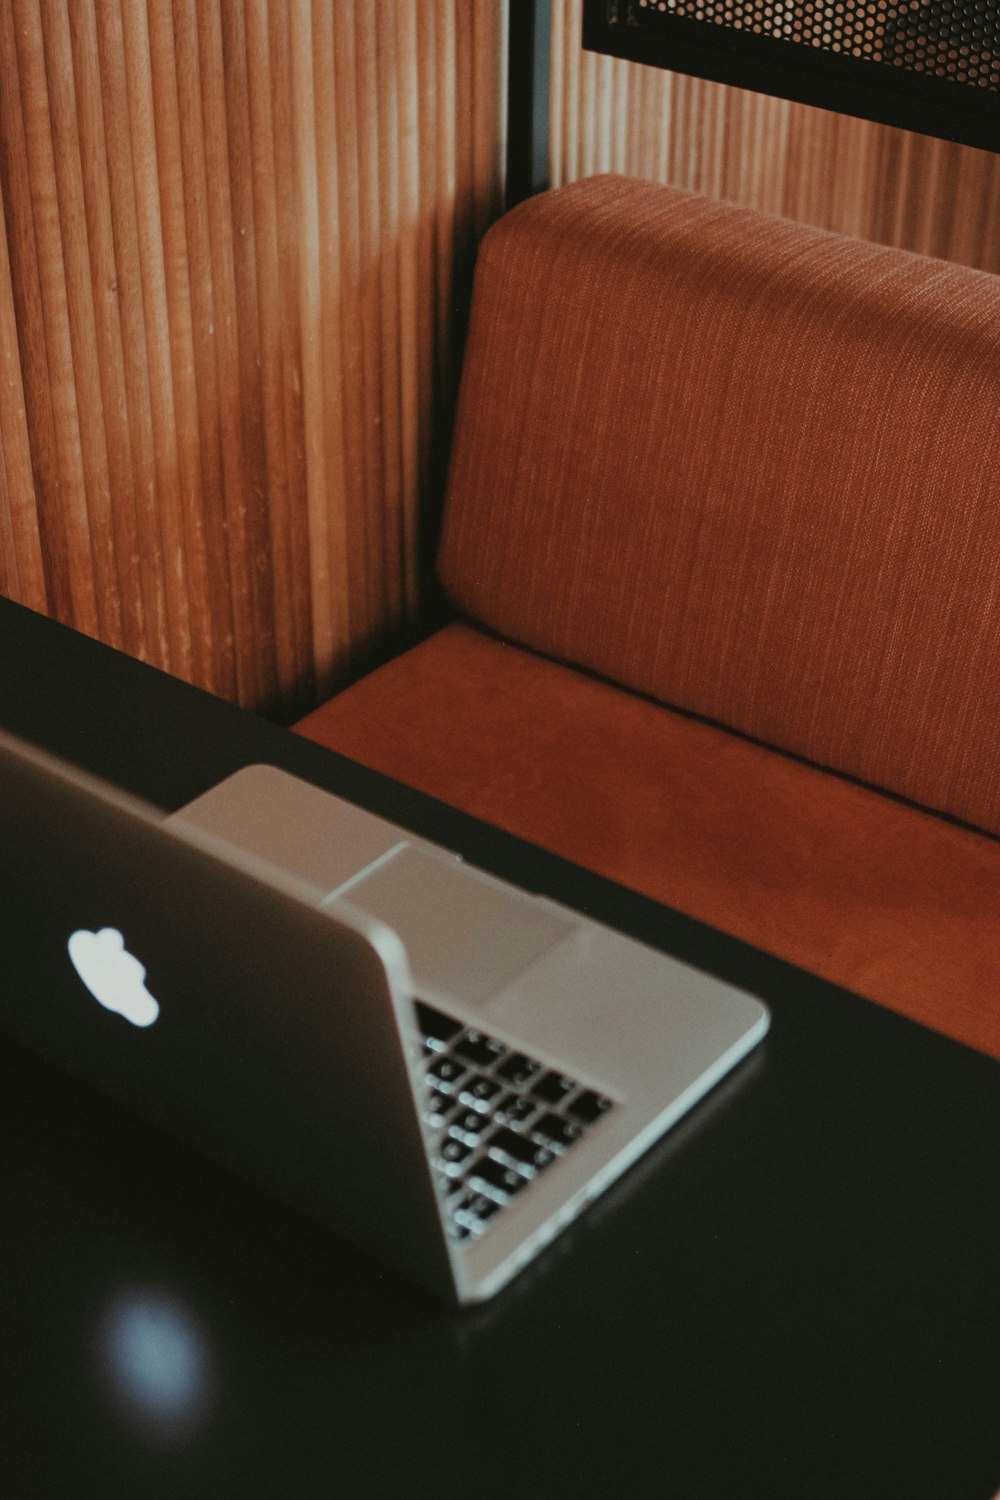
890	901
747	468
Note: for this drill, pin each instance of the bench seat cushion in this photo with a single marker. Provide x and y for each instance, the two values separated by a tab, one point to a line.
746	468
883	898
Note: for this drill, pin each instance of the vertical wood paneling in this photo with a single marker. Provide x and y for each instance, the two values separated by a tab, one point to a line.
47	273
22	567
237	233
310	134
72	321
196	375
410	264
137	71
850	175
266	64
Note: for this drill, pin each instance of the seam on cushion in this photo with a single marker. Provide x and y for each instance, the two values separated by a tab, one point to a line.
683	713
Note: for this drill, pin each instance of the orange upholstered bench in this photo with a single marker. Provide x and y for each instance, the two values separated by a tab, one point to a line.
722	538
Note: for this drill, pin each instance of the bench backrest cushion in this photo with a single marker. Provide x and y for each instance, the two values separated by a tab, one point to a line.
746	467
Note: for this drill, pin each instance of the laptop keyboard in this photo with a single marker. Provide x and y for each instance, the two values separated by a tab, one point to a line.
503	1117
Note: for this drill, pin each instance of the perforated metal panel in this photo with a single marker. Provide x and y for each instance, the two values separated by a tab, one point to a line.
929	67
959	40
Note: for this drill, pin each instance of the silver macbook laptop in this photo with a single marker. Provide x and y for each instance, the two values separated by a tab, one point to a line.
438	1065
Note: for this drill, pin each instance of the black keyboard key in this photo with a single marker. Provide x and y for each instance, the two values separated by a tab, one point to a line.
452	1155
470	1124
436	1029
479	1091
523	1152
498	1178
477	1207
553	1088
518	1070
446	1072
555	1131
589	1107
439	1106
451	1186
516	1110
476	1047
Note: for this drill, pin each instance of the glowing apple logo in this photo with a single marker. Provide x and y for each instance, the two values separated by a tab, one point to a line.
112	975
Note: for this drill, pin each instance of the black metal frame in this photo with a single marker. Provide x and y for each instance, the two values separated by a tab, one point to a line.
529	51
790	70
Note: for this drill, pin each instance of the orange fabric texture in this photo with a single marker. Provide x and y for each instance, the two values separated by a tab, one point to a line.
887	900
747	468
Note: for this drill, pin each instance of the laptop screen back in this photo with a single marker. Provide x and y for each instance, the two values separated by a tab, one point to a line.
211	1000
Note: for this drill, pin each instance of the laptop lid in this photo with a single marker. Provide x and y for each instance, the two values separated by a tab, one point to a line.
199	987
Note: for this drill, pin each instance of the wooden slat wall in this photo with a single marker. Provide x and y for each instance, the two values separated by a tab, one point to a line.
227	290
850	175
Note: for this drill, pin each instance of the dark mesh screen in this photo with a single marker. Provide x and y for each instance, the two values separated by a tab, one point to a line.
957	40
934	68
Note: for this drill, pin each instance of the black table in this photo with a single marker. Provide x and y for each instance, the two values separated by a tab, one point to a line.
795	1294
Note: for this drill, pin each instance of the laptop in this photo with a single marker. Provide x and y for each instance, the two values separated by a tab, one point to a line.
437	1065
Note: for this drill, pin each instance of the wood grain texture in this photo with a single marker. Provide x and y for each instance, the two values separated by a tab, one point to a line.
853	176
227	319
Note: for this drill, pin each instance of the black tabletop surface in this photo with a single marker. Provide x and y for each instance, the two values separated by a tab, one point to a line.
795	1294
